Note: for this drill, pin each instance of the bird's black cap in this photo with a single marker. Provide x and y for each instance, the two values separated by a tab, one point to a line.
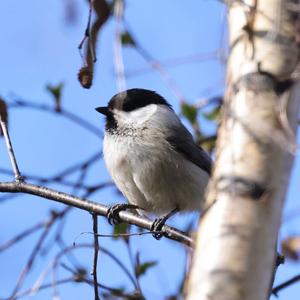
133	99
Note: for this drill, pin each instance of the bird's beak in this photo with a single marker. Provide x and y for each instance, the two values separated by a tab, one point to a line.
102	110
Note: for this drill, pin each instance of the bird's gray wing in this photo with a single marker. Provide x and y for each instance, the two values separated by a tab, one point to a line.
182	141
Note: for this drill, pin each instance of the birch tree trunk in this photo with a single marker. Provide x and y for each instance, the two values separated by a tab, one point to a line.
235	252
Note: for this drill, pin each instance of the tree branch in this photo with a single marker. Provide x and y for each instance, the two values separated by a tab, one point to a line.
285	284
118	56
19	103
92	207
102	10
96	249
10	150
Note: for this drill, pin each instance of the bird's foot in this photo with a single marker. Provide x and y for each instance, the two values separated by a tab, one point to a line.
158	224
113	212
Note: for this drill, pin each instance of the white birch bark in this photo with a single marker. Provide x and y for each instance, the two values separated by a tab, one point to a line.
237	235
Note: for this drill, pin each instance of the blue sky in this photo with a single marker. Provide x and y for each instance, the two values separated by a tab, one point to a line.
38	47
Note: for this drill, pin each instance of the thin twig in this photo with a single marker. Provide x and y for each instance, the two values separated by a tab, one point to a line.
77	166
70	256
10	151
118	57
88	37
60	180
65	113
59	230
68	280
69	249
285	284
31	259
278	260
114	235
120	264
95	261
87	29
42	287
21	236
175	62
52	241
133	264
62	220
92	207
156	65
102	11
38	283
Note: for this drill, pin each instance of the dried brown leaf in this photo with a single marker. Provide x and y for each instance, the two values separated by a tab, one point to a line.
291	247
85	77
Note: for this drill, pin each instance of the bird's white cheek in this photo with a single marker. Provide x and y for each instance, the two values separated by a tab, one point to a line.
138	116
143	115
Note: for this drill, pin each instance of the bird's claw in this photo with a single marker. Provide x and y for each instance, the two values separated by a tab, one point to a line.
113	212
156	227
157	224
112	215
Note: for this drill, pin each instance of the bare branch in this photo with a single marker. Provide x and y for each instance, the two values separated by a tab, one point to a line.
21	236
102	11
33	256
42	287
117	235
77	166
175	62
72	248
81	278
65	113
61	180
10	150
92	207
118	57
156	65
87	30
285	284
96	249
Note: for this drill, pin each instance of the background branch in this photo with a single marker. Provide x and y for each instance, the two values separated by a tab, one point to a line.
10	150
95	261
285	284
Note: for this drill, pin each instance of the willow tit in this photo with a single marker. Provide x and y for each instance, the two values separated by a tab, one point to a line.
152	157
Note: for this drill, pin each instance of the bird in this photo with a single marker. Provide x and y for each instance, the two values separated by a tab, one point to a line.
152	157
